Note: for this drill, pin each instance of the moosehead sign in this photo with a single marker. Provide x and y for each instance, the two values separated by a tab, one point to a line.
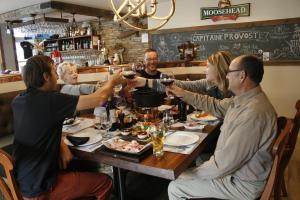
225	11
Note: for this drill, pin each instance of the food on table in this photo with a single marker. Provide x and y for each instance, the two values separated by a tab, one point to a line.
123	145
200	115
191	124
142	135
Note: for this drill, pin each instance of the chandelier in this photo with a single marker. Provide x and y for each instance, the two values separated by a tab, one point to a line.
141	9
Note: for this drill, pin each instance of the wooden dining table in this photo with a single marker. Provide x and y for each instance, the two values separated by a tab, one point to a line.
169	166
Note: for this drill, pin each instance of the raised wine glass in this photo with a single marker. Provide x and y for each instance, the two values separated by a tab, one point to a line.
167	80
129	72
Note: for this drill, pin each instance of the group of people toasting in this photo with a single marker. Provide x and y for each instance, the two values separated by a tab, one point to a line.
237	169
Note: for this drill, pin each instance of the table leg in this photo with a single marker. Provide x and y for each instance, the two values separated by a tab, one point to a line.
119	182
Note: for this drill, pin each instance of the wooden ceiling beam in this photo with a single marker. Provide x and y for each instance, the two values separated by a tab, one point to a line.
78	9
53	6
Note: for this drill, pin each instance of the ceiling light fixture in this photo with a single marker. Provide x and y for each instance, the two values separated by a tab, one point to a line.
141	9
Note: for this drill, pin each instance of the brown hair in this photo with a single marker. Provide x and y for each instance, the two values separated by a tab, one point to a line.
34	69
221	60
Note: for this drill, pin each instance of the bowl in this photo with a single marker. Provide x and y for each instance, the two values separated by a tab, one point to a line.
76	141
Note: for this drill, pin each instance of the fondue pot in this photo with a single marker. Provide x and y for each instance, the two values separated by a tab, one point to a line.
148	98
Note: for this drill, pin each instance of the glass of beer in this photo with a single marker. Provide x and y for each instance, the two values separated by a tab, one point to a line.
157	136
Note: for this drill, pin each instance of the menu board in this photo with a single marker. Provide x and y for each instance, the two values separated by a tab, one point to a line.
274	40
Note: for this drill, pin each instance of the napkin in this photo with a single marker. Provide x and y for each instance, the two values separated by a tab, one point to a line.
84	123
89	148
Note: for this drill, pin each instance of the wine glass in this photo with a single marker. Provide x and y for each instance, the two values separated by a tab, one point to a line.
121	104
117	90
167	80
129	72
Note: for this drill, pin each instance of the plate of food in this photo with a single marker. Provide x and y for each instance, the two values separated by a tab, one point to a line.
80	139
164	107
181	138
203	116
139	135
193	126
126	146
71	122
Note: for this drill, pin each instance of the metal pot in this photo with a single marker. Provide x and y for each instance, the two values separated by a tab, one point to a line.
148	98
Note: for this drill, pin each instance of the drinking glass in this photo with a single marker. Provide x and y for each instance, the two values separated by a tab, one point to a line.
100	117
129	72
167	80
157	136
117	90
121	103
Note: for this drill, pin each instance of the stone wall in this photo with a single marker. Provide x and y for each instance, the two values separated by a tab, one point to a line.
134	48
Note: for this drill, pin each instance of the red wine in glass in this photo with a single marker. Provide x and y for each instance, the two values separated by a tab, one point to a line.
129	74
167	82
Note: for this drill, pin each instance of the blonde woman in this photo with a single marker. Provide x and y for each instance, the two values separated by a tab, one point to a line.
68	73
215	84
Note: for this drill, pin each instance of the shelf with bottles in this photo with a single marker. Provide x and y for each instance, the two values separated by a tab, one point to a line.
72	43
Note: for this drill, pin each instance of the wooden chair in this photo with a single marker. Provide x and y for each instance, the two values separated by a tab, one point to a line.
8	187
285	127
289	149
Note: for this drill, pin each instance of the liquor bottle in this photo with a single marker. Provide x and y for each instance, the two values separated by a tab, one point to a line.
63	46
182	110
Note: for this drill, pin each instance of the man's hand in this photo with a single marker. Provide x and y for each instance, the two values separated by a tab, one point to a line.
65	155
175	90
116	78
136	82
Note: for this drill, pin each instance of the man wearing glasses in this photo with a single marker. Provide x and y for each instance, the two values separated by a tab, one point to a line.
242	160
150	62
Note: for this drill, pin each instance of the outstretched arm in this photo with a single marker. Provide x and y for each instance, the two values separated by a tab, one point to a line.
100	96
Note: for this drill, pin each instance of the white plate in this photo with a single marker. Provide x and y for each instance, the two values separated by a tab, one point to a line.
164	107
93	134
177	125
204	119
196	127
76	122
181	138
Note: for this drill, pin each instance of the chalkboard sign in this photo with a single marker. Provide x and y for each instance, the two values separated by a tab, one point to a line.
276	40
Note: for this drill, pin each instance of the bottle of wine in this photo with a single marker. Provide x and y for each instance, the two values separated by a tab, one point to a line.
182	110
111	112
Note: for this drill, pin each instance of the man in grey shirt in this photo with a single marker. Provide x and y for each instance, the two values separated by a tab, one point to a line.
242	160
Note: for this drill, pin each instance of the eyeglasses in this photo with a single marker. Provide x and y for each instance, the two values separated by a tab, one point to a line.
151	59
234	70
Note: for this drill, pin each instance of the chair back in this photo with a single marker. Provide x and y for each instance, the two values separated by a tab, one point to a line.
292	138
284	128
8	187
